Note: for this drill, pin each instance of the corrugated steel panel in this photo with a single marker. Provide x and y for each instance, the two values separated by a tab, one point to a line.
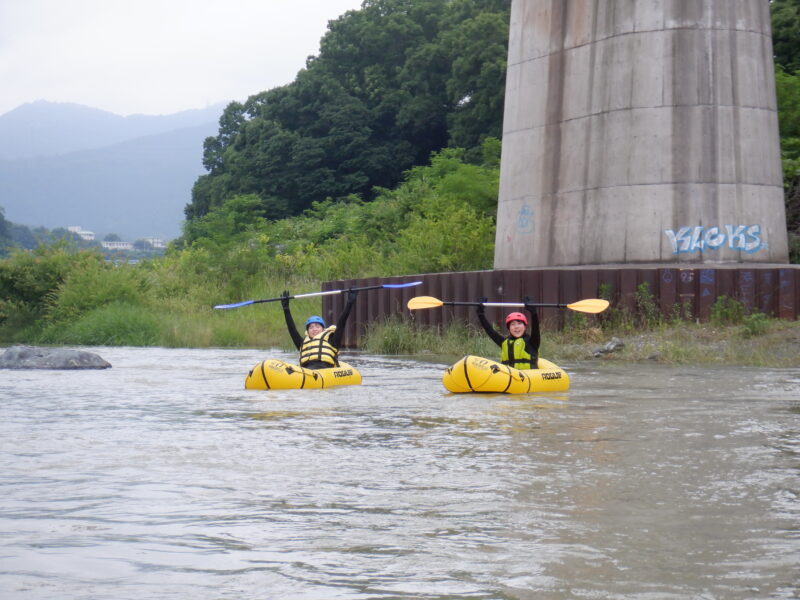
775	291
707	292
589	285
787	294
551	292
687	292
667	294
627	289
726	283
766	284
747	288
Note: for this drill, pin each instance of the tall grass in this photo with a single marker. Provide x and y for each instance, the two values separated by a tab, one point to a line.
116	324
396	336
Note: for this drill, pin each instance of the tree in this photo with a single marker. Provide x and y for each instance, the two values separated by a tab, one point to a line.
786	33
5	233
22	236
142	245
786	44
393	82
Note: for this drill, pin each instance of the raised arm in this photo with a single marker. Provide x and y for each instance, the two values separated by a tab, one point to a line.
536	338
297	339
336	338
487	327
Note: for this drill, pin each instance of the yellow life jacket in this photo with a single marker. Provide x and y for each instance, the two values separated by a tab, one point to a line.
320	348
514	354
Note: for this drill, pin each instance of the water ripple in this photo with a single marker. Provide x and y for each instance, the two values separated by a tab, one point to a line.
163	478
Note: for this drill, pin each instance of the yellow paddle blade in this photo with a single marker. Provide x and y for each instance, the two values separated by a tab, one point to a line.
590	305
424	302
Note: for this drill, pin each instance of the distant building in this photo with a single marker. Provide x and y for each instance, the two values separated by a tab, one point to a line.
117	245
156	242
82	233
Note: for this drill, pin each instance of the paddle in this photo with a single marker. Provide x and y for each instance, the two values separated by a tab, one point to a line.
590	305
327	293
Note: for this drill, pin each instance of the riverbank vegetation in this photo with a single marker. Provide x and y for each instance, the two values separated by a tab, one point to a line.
371	163
732	336
61	294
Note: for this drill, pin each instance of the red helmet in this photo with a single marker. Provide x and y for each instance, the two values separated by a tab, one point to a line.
516	316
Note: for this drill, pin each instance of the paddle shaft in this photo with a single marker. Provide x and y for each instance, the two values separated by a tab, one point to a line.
327	293
589	305
514	304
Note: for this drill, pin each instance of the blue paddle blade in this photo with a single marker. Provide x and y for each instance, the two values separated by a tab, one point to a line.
401	285
237	305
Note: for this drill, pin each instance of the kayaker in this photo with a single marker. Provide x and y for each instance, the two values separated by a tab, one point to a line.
319	348
519	349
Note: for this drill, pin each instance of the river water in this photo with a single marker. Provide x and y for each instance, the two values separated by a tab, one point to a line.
163	478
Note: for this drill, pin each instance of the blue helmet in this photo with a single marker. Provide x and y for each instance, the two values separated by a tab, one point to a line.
315	319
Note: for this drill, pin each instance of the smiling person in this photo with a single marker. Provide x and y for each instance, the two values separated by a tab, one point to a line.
519	349
319	348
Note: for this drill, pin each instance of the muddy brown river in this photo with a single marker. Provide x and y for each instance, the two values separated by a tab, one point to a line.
162	478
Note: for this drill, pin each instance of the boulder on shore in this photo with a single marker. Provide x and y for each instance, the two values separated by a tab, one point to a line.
29	357
615	345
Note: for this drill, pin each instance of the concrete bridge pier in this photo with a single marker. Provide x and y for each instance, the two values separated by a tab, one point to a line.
640	131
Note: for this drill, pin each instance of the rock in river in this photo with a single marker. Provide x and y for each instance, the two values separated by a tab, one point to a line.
29	357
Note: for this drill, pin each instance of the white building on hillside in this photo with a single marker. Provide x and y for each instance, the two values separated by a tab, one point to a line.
117	245
82	233
155	242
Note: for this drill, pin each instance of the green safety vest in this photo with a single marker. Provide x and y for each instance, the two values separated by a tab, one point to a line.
514	354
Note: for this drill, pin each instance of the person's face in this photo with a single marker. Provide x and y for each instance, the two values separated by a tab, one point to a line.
516	328
314	329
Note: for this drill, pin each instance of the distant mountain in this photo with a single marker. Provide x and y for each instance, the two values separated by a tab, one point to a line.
46	128
136	189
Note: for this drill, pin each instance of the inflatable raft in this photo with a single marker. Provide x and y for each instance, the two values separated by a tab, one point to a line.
273	374
476	374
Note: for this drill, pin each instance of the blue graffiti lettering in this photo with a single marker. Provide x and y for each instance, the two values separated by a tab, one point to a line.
745	238
707	276
525	219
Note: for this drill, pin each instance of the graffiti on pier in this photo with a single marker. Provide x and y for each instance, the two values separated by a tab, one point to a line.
744	238
525	219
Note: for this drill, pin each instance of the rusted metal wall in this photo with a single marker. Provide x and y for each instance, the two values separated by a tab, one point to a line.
688	291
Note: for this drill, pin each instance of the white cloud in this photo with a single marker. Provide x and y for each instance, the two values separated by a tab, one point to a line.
155	56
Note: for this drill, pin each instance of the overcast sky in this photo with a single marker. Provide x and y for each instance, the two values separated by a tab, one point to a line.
155	56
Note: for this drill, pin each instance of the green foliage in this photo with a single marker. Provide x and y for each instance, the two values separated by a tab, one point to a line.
95	285
236	215
727	311
755	324
787	87
786	33
396	336
788	90
28	279
5	234
647	311
794	248
115	324
477	49
393	82
440	218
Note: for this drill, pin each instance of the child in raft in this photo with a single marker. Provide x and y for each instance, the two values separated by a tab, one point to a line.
319	349
519	349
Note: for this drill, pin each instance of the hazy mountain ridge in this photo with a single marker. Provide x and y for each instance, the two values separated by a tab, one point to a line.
43	128
137	187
